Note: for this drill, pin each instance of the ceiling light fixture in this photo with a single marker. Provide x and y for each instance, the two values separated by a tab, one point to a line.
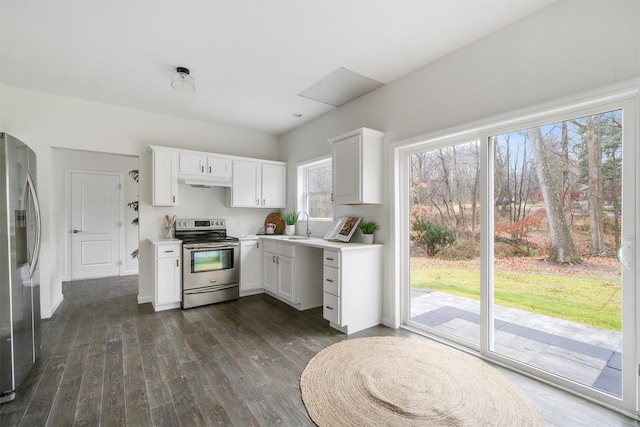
183	81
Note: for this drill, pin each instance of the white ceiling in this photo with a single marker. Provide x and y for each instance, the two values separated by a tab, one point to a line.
250	58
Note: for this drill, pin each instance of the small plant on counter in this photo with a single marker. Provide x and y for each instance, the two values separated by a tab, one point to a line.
290	218
368	227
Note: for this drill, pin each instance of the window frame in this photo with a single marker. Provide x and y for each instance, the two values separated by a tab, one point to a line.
302	170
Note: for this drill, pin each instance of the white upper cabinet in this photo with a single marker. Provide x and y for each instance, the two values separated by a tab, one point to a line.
257	184
203	165
357	167
245	184
165	177
274	185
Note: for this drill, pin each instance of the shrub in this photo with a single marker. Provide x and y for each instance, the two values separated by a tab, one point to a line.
432	236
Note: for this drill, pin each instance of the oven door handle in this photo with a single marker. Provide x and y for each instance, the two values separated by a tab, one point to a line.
209	247
207	289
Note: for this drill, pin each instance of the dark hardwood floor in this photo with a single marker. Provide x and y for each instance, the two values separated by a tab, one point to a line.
108	361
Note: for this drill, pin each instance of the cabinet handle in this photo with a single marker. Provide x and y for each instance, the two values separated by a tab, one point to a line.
263	202
277	260
273	258
329	307
209	169
168	252
329	280
177	263
257	245
202	168
257	202
332	197
329	259
174	199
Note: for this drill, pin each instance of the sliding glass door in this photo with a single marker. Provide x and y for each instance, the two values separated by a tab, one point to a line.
521	245
445	239
557	285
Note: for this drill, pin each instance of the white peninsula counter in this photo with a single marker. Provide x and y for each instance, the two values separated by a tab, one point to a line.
344	278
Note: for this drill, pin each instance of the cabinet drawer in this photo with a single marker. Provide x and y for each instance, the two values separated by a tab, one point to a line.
168	251
331	280
270	247
332	259
286	250
331	308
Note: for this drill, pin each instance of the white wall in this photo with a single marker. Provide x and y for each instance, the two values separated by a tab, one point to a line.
567	48
46	122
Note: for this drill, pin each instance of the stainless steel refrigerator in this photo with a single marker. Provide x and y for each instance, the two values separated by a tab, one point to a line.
19	271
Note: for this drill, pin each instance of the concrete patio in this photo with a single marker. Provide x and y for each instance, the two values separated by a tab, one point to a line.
586	354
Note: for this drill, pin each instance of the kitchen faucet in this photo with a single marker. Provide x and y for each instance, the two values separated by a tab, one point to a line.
308	233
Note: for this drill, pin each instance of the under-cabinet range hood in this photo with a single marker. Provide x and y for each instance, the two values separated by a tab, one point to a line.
204	181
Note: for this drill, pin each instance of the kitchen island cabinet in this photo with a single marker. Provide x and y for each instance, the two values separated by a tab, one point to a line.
293	274
352	288
350	278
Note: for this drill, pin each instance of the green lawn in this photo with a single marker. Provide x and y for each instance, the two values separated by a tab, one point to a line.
590	301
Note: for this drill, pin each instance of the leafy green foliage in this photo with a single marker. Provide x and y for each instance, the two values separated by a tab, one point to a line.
290	218
368	227
431	236
134	174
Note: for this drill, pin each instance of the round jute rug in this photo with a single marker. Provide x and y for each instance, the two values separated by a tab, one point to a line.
392	381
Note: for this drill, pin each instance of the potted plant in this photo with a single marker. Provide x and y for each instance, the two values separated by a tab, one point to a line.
290	219
368	228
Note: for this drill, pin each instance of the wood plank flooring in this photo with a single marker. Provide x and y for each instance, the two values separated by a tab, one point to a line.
108	361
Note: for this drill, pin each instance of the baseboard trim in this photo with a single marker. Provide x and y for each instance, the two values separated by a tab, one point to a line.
48	314
143	299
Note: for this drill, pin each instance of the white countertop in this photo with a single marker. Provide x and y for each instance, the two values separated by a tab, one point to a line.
315	242
160	241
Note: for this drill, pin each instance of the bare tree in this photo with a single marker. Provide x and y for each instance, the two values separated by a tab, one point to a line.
562	246
596	204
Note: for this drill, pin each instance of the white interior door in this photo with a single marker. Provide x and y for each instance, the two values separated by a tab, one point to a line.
96	208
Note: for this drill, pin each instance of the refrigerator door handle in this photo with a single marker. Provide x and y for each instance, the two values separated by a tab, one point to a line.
30	188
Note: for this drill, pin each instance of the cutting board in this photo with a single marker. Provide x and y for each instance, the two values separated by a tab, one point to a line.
275	218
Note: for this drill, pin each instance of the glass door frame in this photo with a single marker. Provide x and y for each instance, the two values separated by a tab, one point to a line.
627	100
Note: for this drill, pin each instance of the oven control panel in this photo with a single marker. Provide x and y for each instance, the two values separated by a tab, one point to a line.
200	224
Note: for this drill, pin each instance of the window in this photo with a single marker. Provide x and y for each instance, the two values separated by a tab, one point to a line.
314	189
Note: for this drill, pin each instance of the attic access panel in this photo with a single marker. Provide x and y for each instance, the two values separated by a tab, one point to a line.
340	87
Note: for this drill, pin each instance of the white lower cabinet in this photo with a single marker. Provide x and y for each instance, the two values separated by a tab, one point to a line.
292	274
167	272
352	288
250	267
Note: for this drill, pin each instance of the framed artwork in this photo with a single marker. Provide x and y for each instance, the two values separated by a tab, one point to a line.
342	229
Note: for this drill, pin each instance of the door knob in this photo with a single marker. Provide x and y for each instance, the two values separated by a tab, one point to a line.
76	231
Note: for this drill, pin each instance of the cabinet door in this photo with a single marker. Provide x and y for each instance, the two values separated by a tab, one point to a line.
347	170
168	281
274	186
165	178
193	164
245	184
270	271
331	308
250	265
219	166
285	278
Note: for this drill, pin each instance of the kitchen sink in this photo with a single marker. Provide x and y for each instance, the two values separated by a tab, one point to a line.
298	238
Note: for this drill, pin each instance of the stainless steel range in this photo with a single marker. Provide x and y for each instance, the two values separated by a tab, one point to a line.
210	262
